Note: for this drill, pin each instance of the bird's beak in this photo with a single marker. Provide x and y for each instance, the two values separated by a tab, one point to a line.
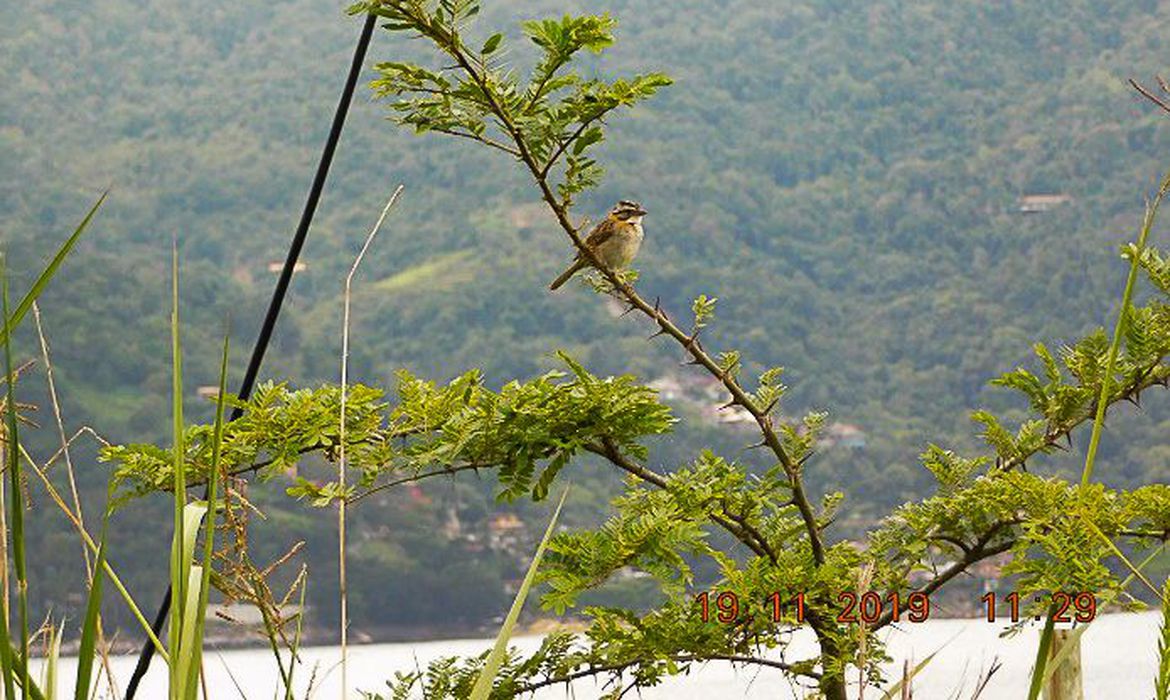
641	212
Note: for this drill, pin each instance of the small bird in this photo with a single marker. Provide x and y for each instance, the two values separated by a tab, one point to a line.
615	241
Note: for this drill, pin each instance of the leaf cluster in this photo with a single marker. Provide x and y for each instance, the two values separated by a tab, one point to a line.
552	116
528	431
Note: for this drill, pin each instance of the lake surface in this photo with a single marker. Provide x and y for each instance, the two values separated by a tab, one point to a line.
1119	655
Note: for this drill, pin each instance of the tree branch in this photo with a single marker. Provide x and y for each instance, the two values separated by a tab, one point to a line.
446	471
564	145
973	554
609	451
1155	375
1150	95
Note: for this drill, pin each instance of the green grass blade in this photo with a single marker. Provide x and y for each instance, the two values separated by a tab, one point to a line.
1038	671
49	682
159	648
180	564
11	322
1065	651
1119	328
296	643
16	510
895	690
182	652
1162	682
483	684
89	628
196	639
192	518
112	575
1136	571
7	665
188	654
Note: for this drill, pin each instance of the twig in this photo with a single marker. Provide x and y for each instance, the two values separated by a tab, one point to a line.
482	139
564	145
446	471
1150	95
52	386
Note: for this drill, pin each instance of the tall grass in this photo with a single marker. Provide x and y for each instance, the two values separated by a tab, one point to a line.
191	580
1039	672
9	663
16	497
342	594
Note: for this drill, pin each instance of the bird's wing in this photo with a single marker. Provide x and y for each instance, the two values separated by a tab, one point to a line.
601	233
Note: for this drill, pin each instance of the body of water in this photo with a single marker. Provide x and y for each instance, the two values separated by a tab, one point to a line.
1119	658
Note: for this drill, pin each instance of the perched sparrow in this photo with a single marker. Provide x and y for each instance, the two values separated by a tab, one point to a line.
615	241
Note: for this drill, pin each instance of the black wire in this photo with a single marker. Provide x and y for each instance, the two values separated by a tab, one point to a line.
262	341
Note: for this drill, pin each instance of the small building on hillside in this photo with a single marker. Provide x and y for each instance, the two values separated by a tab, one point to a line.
989	571
668	387
506	532
278	265
843	434
1040	203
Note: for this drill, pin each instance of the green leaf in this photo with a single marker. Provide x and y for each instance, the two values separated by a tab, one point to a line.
704	309
587	138
492	43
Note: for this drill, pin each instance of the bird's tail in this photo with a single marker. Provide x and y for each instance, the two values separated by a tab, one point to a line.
573	269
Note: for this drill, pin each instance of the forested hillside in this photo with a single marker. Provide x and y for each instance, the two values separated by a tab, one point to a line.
848	178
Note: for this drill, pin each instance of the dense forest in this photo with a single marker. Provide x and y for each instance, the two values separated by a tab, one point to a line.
860	184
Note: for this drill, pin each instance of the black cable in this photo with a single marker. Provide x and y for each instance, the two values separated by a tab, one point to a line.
262	341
